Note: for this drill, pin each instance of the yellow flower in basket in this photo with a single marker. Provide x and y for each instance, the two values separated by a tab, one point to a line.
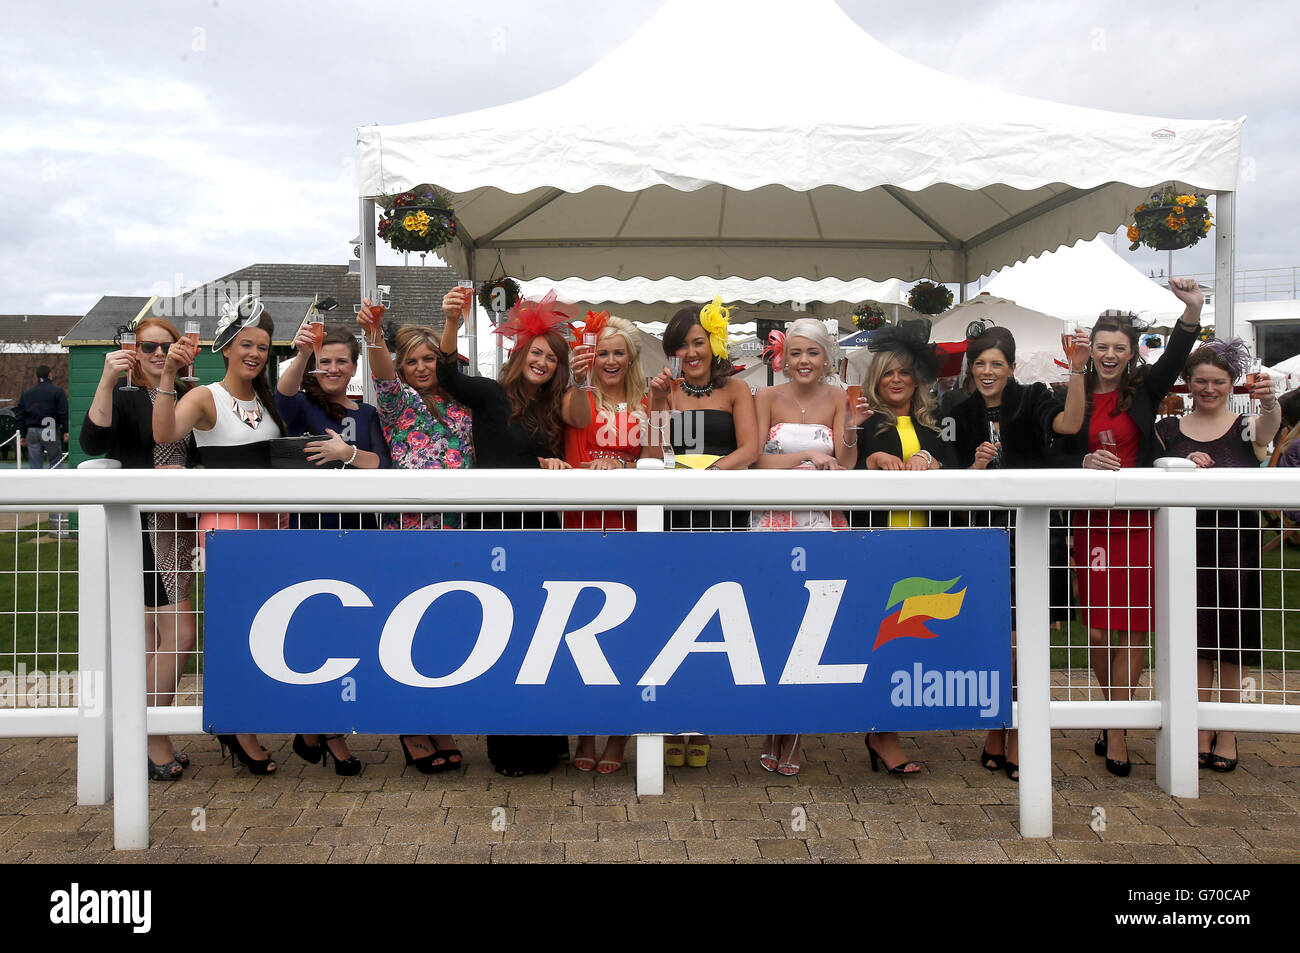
1174	222
422	219
1186	200
408	223
1133	233
1139	208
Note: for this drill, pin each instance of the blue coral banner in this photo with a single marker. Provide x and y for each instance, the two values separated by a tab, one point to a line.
478	632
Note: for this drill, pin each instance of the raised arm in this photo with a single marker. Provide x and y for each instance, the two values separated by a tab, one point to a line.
381	362
1070	419
173	420
291	377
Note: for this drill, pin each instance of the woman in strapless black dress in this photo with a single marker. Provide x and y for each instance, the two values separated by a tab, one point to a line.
711	413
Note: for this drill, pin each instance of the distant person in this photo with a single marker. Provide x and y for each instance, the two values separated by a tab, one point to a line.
42	413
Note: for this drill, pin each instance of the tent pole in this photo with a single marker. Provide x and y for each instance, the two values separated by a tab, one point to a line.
471	325
1225	262
369	282
963	262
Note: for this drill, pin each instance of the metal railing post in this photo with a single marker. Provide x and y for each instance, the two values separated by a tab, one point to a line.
1175	647
126	654
94	707
649	748
1034	671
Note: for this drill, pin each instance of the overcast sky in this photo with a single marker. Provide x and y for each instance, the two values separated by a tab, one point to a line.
142	143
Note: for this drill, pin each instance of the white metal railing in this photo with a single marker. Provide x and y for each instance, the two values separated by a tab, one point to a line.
111	643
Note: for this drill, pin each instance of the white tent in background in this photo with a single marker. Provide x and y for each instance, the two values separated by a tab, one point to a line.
1038	335
1081	281
782	170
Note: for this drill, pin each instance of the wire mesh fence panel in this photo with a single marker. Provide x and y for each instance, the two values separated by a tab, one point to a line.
38	610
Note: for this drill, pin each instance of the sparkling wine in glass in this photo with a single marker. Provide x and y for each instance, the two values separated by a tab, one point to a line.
589	340
675	368
855	395
1253	374
1067	338
192	338
372	320
1107	440
317	326
995	438
128	345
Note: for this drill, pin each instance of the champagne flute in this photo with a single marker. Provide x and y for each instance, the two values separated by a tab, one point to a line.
128	345
995	438
589	341
1068	330
467	302
1253	374
374	323
191	338
317	324
1107	440
855	395
675	368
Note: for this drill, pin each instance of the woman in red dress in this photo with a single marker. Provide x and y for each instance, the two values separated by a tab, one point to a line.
612	441
1112	548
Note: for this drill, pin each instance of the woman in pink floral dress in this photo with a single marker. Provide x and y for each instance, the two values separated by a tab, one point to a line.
426	430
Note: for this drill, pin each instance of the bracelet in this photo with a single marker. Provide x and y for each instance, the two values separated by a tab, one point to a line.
165	393
846	443
355	451
1082	373
1195	328
929	460
1269	409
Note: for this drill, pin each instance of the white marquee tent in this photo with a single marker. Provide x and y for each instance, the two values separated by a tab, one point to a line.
705	145
1081	281
1038	335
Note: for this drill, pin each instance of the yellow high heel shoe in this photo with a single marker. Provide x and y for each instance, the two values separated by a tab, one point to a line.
674	753
697	755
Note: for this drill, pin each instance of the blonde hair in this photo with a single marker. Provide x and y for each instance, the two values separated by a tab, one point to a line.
407	340
815	331
923	402
634	383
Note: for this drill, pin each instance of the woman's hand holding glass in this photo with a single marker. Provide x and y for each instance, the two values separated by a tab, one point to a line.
304	340
661	385
1101	460
119	362
858	411
580	361
1081	350
985	454
181	354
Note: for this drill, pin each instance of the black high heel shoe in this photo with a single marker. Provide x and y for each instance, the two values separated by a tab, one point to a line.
237	752
309	753
346	767
899	769
426	764
1120	769
1099	746
1218	762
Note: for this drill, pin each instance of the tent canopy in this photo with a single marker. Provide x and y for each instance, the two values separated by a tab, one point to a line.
751	160
1080	282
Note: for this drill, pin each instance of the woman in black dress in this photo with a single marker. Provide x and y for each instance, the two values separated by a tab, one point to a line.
119	425
1227	541
897	430
712	426
519	423
1005	425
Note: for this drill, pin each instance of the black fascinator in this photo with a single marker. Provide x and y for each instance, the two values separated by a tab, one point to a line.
910	339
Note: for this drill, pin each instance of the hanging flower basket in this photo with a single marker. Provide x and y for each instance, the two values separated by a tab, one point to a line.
421	220
498	291
868	317
929	298
1170	220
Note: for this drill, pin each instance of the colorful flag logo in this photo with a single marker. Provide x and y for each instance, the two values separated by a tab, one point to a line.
922	600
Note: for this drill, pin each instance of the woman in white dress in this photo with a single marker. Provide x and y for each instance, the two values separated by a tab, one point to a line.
798	421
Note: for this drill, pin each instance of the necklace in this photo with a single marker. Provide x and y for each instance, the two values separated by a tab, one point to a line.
251	416
802	412
693	391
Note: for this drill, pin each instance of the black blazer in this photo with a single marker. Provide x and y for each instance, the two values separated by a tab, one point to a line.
1146	402
129	439
1026	426
872	440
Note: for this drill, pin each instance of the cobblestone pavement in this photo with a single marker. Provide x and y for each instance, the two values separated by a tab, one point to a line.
835	810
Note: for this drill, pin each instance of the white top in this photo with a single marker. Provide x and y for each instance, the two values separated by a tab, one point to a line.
230	430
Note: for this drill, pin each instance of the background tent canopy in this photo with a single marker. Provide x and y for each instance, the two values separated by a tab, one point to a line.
743	168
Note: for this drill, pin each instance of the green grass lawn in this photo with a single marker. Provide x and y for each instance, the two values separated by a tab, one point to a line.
38	600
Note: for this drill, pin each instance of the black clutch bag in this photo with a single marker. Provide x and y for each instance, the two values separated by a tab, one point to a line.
289	453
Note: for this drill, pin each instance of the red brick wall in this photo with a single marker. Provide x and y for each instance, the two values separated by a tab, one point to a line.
18	372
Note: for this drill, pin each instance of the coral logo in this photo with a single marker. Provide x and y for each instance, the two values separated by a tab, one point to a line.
922	600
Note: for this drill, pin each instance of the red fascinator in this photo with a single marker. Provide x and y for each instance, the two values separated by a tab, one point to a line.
594	323
530	318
